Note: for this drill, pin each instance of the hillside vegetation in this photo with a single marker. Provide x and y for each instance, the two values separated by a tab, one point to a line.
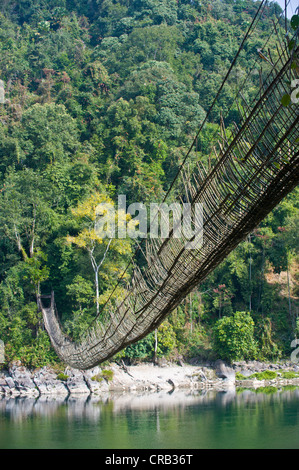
104	97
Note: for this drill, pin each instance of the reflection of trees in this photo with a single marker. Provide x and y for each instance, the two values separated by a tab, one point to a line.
178	420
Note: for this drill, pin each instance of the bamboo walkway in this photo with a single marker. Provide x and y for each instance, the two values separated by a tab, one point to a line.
256	168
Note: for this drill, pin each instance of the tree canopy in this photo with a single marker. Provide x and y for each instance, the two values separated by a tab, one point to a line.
104	98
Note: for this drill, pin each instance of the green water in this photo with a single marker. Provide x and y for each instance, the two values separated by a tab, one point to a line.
181	420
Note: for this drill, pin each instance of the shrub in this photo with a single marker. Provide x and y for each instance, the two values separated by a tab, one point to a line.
97	378
233	337
62	376
166	339
267	347
289	375
240	376
140	350
265	375
145	348
107	374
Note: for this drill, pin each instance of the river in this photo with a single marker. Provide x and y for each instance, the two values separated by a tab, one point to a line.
242	419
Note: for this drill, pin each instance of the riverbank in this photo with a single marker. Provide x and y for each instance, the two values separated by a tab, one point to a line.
18	381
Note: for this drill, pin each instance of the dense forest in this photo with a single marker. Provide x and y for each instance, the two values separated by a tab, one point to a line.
104	97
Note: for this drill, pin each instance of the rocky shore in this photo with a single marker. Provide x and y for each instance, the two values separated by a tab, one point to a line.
18	381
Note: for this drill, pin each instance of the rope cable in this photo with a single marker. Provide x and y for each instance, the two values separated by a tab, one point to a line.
249	30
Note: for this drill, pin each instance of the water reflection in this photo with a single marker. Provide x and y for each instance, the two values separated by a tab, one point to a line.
19	409
178	420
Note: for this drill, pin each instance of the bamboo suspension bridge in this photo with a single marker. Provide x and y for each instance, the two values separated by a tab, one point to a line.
257	166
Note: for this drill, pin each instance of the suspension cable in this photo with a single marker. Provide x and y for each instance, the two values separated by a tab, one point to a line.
252	24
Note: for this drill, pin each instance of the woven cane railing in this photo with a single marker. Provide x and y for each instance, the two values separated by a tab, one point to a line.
255	169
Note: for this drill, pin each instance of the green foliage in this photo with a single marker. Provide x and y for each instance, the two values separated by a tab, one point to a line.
107	374
289	375
166	340
268	390
234	337
97	378
81	291
268	349
240	376
148	348
141	350
265	375
196	344
105	97
62	376
295	22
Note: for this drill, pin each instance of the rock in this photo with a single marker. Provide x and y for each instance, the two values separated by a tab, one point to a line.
224	372
202	376
246	372
76	382
20	381
162	385
20	378
162	362
121	378
27	387
3	384
96	384
7	385
10	383
251	383
47	383
274	366
171	382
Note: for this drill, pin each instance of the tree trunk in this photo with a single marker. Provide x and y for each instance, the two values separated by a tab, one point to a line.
156	345
190	313
97	290
289	295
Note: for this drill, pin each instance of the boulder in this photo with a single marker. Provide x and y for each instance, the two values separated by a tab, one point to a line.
246	372
76	383
224	372
21	379
7	385
172	383
95	382
47	383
